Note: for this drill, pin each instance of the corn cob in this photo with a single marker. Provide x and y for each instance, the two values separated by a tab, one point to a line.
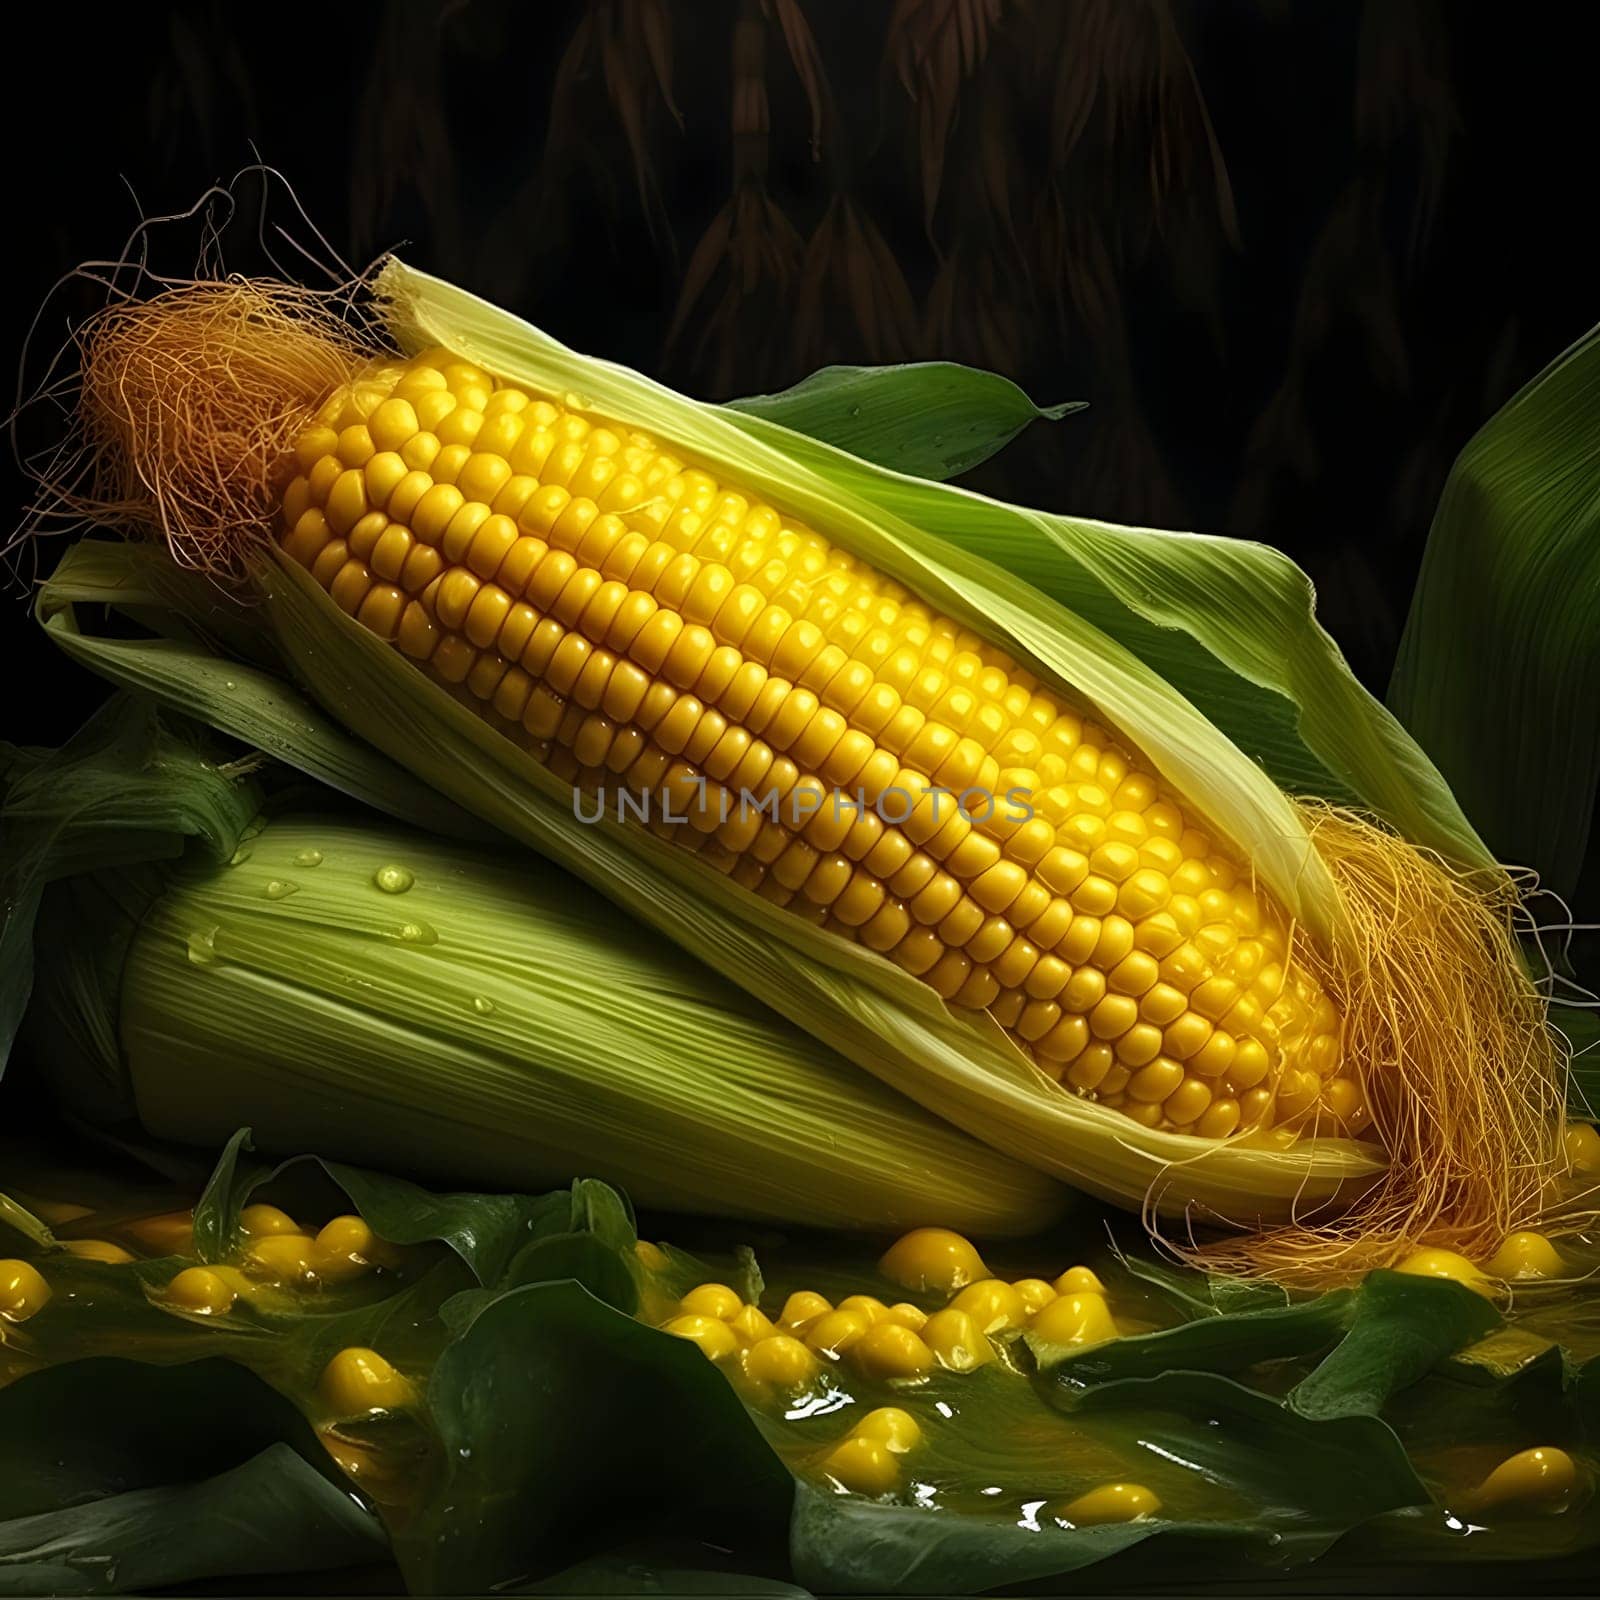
1151	940
817	733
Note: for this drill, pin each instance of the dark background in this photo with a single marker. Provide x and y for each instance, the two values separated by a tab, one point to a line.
1293	254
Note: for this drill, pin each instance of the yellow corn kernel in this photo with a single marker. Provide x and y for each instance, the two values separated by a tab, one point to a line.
1035	1293
1111	1502
359	1381
906	1315
1525	1255
258	1221
712	1300
893	1428
886	1350
348	1236
866	1306
1079	1280
1428	1263
650	1256
780	1360
283	1257
956	1341
171	1234
750	1325
23	1290
834	1333
932	1259
1542	1478
101	1250
862	1466
1581	1146
1081	1319
201	1290
993	1304
801	1309
716	1339
58	1213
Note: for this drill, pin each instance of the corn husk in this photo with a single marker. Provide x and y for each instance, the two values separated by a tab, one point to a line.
460	1011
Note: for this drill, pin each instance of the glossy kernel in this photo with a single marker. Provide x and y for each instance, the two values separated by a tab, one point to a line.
932	1258
1111	1502
715	1339
201	1290
23	1290
359	1381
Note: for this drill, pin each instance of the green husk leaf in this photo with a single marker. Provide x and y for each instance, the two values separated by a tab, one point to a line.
182	670
1401	1328
932	419
488	1024
1230	623
1499	668
19	1219
137	791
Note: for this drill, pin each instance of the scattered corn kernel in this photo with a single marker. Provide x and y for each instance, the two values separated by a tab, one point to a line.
1538	1478
102	1250
932	1258
715	1338
781	1360
359	1381
862	1466
650	1256
283	1257
956	1340
171	1234
347	1236
1581	1144
1525	1255
890	1426
1035	1293
58	1213
23	1291
886	1350
1111	1502
712	1300
907	1315
1082	1319
1079	1280
201	1290
1429	1263
833	1334
258	1222
751	1325
993	1304
801	1309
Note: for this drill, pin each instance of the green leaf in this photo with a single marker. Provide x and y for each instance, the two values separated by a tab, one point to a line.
1227	1342
216	1213
1402	1327
933	419
1498	674
562	1422
116	1476
272	1515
